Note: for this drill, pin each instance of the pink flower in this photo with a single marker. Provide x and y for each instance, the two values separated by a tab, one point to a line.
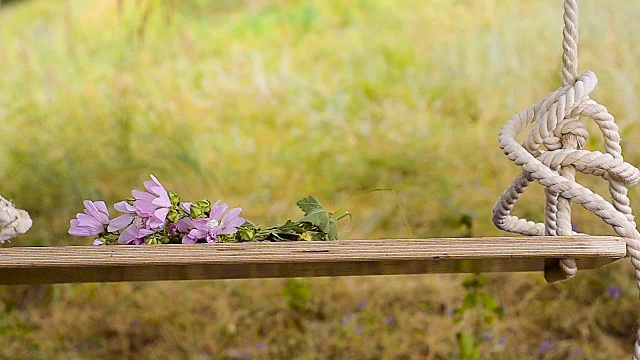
153	204
138	227
147	215
216	224
92	222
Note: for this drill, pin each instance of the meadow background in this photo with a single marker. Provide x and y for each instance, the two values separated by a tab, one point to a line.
259	103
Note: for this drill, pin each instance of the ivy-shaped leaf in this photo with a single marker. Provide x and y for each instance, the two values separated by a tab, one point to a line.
315	213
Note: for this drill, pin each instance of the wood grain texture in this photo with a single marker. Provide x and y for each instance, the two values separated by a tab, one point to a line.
73	264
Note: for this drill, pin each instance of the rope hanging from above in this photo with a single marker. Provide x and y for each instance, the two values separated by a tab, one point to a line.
552	153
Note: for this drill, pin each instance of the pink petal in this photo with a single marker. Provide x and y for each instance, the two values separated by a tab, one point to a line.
200	223
128	235
161	213
187	207
232	218
120	222
184	225
142	195
124	206
198	234
150	186
155	180
155	223
217	210
102	208
162	201
227	231
144	232
235	222
188	240
98	210
144	208
76	229
155	186
89	221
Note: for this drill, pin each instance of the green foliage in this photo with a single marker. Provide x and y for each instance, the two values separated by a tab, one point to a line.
317	225
12	322
297	294
467	345
315	214
486	309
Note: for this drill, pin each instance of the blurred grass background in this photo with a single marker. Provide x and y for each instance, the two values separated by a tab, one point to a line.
259	103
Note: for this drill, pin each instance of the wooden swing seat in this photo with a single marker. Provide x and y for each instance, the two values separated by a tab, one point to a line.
79	264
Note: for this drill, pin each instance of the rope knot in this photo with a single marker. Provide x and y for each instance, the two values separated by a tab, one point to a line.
557	127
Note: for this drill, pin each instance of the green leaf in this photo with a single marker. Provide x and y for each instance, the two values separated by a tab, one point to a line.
298	294
316	214
205	205
246	232
174	197
458	314
466	343
488	302
499	312
489	319
470	300
173	216
310	205
196	212
474	281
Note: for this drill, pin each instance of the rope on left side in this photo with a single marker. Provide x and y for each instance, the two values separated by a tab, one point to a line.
13	222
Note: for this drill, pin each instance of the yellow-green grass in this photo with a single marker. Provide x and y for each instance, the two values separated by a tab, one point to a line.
260	103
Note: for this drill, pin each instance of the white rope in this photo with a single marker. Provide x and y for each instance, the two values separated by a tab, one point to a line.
13	222
552	153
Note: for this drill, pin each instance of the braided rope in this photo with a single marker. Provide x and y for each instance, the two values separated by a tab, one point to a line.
13	222
558	129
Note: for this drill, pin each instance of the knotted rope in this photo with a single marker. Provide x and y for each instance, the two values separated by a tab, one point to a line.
552	153
13	222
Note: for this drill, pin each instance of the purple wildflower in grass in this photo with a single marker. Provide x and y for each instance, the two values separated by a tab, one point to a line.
576	353
357	330
502	341
486	335
361	304
390	320
614	292
216	224
136	227
347	318
546	346
92	221
153	204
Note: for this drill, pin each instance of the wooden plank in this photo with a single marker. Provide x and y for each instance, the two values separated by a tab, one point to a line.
73	264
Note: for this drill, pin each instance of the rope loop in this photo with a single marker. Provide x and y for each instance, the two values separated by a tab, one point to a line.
553	151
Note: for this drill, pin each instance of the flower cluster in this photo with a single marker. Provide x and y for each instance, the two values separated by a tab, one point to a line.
157	216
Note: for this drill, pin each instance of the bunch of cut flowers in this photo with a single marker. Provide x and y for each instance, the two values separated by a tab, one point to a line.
158	216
